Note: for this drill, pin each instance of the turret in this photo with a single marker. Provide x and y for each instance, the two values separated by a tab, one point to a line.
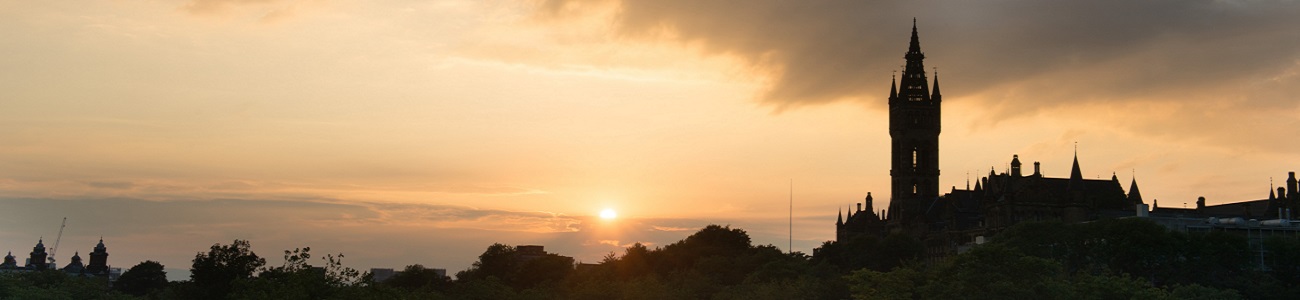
936	96
1134	196
1076	176
75	267
38	255
893	89
10	262
870	206
98	260
1015	166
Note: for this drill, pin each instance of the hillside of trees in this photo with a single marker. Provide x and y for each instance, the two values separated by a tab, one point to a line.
1112	259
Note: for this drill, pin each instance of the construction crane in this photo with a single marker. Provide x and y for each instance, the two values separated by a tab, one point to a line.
56	241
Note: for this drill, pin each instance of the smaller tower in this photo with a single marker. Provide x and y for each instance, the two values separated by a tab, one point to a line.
37	259
870	206
10	262
1015	166
75	267
98	260
936	96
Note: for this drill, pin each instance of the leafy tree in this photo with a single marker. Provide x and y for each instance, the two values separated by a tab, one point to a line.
508	266
215	272
417	277
993	272
869	252
497	261
141	279
901	283
634	263
298	279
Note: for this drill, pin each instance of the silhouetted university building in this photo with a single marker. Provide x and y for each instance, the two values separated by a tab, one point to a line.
950	222
39	260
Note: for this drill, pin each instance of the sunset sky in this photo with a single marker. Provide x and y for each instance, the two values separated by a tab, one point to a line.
404	132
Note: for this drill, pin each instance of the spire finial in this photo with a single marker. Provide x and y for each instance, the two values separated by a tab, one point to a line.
915	47
1076	176
893	85
936	95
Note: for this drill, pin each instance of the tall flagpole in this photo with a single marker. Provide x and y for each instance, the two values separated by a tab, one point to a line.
790	246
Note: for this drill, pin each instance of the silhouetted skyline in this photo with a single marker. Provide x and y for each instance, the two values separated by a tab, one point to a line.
418	133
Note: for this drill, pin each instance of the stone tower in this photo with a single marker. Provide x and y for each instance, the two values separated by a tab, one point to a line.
37	260
914	131
98	259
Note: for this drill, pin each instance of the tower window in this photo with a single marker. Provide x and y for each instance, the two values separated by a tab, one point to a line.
913	189
914	159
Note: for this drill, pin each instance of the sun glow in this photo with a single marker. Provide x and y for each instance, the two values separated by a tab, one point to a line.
608	214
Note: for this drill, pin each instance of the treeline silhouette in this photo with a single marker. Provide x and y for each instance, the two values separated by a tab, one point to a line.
1111	259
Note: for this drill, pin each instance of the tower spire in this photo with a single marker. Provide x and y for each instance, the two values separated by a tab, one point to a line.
936	94
914	129
893	87
915	46
1076	176
1271	195
1134	196
840	219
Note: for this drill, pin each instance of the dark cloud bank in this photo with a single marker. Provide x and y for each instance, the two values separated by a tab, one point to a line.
1218	62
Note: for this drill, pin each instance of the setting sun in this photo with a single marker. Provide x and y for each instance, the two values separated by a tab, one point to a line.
608	214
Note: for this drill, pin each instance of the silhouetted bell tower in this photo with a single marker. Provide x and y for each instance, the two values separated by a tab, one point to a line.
914	130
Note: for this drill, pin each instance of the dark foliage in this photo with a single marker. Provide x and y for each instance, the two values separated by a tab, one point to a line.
142	279
215	273
1110	259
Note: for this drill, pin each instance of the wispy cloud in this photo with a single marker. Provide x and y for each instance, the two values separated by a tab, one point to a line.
264	11
206	7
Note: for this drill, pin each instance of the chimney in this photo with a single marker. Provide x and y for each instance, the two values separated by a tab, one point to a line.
1036	169
859	206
